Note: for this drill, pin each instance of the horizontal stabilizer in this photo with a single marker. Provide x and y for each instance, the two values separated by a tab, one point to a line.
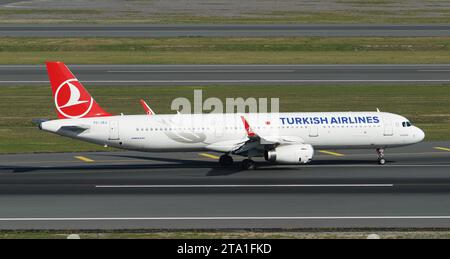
38	121
75	128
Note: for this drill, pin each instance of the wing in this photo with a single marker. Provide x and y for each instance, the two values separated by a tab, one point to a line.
253	142
270	140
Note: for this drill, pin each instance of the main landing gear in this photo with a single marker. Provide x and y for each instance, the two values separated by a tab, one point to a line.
381	160
227	161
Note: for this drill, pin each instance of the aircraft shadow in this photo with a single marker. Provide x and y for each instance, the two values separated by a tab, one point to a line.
214	169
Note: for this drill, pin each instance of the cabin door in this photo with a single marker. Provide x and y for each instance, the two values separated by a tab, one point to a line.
314	131
388	128
114	130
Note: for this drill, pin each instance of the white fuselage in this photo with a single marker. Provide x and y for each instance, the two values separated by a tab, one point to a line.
219	132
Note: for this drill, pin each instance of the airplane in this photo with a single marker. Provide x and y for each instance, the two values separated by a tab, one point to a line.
281	138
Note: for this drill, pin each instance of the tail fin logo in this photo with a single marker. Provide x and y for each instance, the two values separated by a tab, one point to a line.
71	100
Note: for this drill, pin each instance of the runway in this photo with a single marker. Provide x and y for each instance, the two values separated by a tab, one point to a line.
131	190
266	30
232	74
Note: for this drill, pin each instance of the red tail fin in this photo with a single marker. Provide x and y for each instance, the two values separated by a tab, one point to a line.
72	101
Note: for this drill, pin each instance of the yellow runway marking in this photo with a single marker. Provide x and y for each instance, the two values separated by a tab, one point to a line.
331	153
209	156
442	148
84	159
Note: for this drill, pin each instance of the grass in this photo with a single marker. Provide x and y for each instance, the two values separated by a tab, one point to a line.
205	50
46	12
426	105
367	2
227	44
381	14
226	57
229	235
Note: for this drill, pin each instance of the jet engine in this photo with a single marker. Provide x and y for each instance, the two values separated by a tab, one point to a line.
290	154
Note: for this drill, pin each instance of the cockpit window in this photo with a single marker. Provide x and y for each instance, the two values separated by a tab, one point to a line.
406	124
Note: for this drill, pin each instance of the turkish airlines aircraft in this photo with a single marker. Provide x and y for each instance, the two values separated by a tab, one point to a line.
286	138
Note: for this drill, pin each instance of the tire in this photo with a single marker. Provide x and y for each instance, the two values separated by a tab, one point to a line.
382	161
226	160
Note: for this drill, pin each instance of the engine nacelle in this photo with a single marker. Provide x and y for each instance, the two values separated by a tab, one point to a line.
290	154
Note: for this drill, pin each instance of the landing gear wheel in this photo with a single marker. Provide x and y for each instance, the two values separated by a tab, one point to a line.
248	164
381	160
226	160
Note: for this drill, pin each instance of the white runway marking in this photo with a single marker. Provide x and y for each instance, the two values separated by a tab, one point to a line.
244	186
374	166
201	71
359	66
242	81
229	218
433	70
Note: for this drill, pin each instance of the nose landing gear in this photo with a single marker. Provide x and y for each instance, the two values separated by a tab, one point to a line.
381	159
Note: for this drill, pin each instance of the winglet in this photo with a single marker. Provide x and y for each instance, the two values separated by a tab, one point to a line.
248	129
147	108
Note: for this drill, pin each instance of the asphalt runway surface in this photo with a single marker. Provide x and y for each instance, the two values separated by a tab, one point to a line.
132	190
222	30
232	74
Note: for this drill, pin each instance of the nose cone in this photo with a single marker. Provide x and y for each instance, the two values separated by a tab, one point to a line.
420	135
